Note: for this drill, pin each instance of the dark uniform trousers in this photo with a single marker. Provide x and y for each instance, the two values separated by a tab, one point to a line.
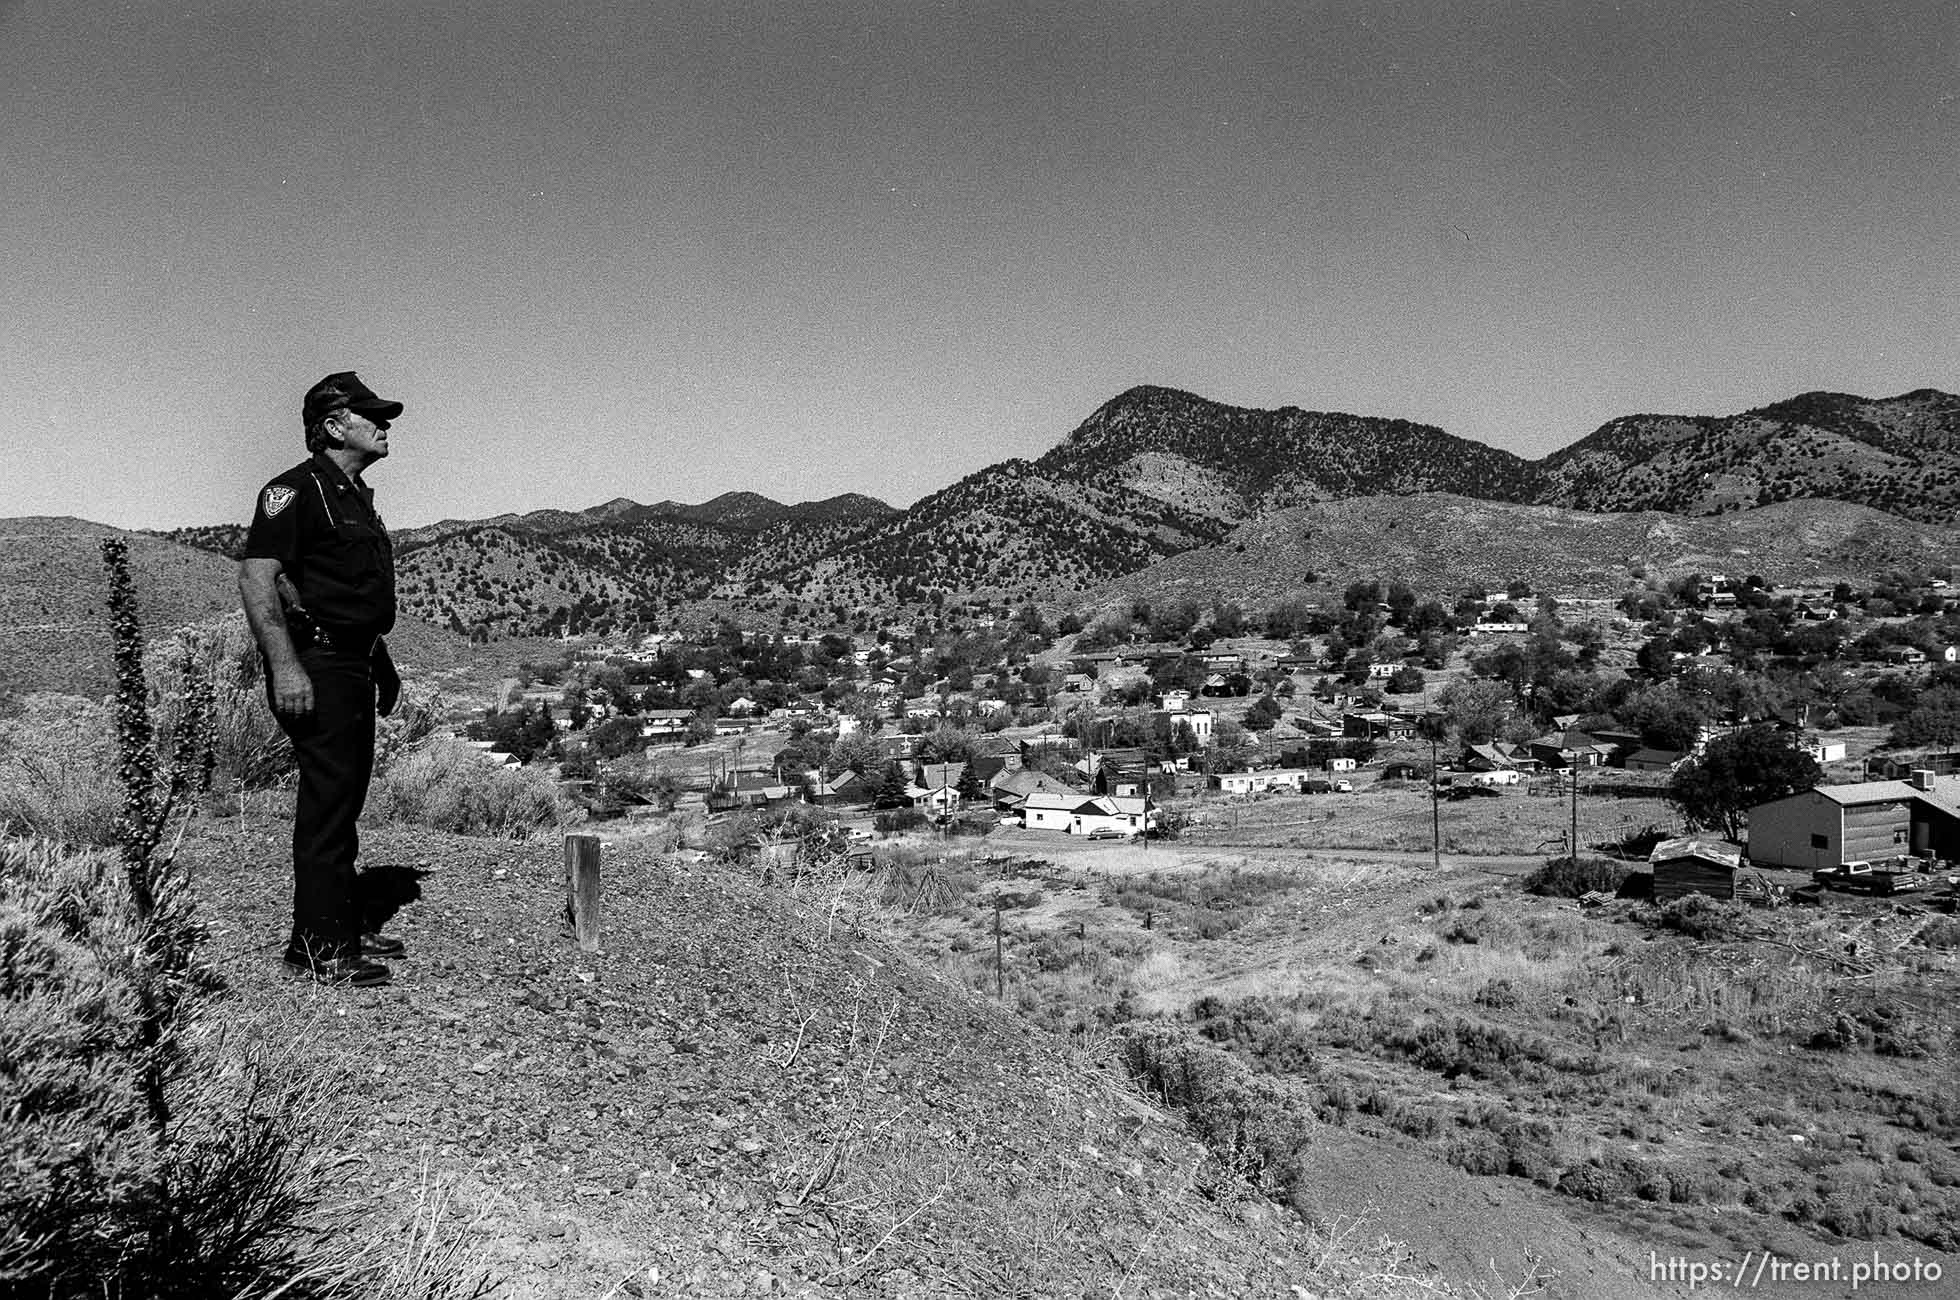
334	747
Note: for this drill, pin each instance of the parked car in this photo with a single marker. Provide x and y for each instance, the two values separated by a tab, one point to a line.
1317	787
1461	792
1343	787
1105	833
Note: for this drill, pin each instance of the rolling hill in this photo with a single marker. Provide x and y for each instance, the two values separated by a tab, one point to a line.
54	625
54	596
1444	543
1900	455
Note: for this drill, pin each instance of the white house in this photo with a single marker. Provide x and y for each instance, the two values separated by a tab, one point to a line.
1199	721
1053	810
1290	779
1128	814
658	723
1825	751
1341	765
1079	814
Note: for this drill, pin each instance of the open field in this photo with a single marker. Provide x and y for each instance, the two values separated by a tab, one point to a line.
1397	816
1700	1082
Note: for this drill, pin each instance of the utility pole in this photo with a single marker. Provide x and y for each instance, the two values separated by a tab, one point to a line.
1574	841
1435	810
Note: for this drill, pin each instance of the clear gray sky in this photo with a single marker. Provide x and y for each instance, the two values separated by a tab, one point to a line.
618	247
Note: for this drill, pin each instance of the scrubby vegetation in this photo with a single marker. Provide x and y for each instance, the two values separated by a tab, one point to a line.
444	784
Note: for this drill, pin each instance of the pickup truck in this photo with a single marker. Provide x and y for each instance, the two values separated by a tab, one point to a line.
1892	877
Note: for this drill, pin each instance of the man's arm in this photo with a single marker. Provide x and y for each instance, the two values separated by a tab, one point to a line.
258	587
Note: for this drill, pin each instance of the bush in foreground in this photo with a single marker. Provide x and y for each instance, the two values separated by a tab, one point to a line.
1569	878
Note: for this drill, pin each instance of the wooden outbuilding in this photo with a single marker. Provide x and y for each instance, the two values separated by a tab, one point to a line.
1695	864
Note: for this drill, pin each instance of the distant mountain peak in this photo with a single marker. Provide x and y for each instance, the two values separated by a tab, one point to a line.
616	506
740	500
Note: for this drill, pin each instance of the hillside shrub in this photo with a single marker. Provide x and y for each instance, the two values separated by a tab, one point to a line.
1262	1028
1942	932
898	819
1566	877
1454	1046
1698	916
248	748
1603	1178
444	784
230	1195
1252	1126
99	1198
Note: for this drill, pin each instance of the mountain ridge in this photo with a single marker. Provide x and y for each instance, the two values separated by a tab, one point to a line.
1151	473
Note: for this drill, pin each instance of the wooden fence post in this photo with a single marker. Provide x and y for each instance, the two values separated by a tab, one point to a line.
582	888
1000	971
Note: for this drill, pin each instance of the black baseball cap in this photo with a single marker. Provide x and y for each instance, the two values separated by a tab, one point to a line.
346	391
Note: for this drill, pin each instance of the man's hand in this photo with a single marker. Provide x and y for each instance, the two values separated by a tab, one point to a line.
292	691
387	681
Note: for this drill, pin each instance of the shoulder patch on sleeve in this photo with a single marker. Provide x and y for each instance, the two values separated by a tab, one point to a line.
277	498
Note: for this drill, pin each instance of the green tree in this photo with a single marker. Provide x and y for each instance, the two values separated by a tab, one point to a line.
615	737
1231	748
944	744
1407	680
891	788
1665	716
1476	709
1265	711
1934	719
857	752
1735	773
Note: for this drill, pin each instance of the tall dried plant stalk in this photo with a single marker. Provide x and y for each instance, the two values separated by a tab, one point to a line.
164	966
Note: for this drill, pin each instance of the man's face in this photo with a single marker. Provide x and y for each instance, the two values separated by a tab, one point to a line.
359	433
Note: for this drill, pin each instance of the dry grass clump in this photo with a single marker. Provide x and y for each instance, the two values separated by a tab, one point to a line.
58	771
443	783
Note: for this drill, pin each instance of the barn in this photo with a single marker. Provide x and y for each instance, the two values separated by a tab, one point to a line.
1867	820
1695	864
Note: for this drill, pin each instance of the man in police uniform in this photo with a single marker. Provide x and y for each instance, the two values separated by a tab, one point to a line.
318	583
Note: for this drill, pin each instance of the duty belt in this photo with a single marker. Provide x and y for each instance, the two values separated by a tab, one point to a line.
343	641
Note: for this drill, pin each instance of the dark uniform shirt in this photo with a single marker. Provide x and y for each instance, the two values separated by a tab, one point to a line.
334	548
